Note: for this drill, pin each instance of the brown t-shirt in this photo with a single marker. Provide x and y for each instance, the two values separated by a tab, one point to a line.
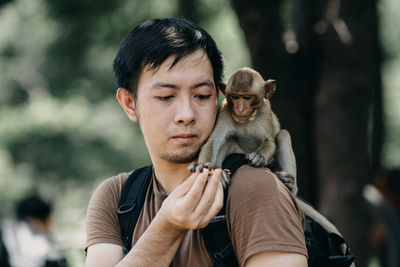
262	215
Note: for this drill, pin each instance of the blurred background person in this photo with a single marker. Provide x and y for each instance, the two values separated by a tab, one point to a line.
384	198
25	241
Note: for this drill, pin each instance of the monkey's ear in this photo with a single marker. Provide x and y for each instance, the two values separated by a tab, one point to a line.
270	87
222	87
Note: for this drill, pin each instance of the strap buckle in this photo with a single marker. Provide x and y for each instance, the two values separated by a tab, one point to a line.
126	207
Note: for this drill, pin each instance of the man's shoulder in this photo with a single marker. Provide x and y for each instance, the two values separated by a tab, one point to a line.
263	214
248	179
111	186
116	180
260	185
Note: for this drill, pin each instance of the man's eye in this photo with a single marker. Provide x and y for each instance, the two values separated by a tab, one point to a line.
165	98
203	97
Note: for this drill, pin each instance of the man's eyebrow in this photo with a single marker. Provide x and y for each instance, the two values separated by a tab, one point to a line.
163	85
207	82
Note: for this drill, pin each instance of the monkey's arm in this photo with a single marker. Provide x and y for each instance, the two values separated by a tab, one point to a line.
285	161
210	157
206	151
263	155
215	149
212	150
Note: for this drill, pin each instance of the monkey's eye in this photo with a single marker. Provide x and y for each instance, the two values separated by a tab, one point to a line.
247	97
235	96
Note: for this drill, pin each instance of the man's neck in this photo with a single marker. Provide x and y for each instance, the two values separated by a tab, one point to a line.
170	175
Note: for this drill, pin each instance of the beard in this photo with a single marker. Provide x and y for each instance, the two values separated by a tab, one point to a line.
181	158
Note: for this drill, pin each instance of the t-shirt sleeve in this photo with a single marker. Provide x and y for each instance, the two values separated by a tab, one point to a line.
263	215
102	224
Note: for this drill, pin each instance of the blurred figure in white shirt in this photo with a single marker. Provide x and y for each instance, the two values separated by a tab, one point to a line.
25	241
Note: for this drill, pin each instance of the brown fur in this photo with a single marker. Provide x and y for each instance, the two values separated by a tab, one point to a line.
256	133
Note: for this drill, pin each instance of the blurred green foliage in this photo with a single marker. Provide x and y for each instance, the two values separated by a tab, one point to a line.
390	39
61	129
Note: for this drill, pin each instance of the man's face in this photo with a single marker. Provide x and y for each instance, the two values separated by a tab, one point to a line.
177	107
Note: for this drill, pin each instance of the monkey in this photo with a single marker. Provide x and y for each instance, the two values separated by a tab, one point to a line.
236	129
246	124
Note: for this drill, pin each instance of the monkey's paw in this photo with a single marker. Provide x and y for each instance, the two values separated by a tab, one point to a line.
256	159
192	167
288	180
225	177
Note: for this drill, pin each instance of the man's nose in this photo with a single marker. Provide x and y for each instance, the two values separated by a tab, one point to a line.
185	114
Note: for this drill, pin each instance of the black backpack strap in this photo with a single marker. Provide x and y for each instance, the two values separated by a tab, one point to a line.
215	235
131	203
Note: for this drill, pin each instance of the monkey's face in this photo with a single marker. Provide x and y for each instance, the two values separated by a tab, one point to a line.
243	106
176	107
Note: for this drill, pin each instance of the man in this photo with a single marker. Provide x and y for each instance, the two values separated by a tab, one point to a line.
26	242
168	73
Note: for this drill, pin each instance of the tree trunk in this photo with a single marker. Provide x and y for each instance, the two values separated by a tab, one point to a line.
349	76
188	10
327	72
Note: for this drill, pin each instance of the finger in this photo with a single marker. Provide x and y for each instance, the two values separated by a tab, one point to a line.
286	179
209	194
184	187
193	196
192	167
255	159
260	161
215	207
225	179
251	157
201	166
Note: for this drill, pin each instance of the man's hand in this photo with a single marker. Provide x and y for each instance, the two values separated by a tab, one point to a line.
194	202
191	205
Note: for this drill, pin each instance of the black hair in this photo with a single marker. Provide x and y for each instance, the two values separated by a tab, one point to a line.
33	206
152	42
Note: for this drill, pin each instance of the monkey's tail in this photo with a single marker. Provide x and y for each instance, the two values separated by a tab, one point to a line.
318	217
324	222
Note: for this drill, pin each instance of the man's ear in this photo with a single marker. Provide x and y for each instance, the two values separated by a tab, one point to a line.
127	102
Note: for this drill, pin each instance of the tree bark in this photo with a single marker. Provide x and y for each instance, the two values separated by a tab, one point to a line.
187	9
349	76
324	98
3	2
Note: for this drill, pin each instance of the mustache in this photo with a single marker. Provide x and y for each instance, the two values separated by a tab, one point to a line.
184	132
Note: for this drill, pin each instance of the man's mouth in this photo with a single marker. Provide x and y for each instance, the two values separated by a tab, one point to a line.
184	138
